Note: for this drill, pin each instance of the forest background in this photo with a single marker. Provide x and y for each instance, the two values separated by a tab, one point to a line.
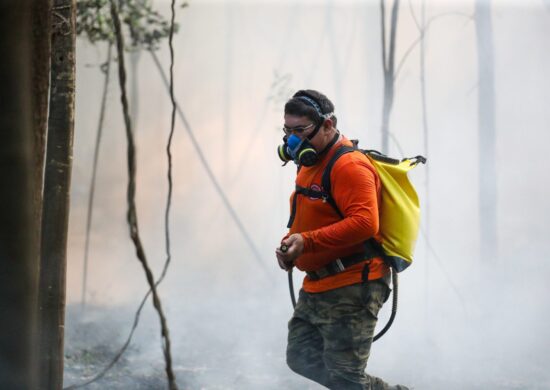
466	319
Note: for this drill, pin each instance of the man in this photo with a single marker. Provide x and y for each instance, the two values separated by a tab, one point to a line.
347	282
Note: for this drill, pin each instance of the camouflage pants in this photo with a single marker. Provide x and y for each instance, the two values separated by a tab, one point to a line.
330	335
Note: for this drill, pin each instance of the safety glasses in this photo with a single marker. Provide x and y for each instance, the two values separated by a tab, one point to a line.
297	129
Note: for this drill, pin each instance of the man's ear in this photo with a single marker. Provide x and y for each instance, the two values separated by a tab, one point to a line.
328	124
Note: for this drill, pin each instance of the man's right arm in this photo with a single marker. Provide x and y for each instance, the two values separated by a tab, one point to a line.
291	248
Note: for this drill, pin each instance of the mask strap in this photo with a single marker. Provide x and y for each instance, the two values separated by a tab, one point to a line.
317	107
311	103
331	143
315	131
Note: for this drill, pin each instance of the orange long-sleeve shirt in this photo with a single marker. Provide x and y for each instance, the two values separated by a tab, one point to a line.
355	187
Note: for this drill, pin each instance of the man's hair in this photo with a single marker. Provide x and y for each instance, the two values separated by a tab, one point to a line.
308	102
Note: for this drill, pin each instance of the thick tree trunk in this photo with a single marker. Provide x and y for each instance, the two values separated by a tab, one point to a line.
41	33
18	257
56	195
41	30
487	132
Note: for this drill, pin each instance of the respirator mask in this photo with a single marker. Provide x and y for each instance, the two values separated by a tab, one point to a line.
299	150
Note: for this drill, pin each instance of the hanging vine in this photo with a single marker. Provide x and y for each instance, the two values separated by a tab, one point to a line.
100	20
145	28
131	192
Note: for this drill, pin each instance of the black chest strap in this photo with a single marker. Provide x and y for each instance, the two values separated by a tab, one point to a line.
325	180
324	194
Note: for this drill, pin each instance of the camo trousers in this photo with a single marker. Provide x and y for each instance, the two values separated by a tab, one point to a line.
330	335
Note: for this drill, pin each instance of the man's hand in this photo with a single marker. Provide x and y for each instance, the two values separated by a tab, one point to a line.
294	246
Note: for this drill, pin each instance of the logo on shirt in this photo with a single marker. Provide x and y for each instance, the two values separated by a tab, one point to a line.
315	187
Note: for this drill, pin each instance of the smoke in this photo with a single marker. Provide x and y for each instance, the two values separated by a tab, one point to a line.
463	322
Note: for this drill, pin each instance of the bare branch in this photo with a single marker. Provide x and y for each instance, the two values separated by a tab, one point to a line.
414	16
421	36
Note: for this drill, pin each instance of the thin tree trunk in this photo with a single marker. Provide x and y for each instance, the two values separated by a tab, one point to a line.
18	257
135	57
424	110
388	63
56	195
374	83
486	132
107	71
426	217
336	46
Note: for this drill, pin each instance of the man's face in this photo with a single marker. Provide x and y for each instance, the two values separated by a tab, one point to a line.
301	126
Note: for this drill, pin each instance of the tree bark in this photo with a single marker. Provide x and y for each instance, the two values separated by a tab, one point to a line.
41	31
135	57
41	40
18	256
55	215
486	132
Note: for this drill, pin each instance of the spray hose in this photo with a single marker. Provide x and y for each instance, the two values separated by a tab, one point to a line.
395	285
291	288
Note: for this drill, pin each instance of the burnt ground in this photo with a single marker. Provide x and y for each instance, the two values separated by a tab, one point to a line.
91	341
215	349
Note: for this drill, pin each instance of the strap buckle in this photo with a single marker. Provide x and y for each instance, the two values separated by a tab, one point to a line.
372	250
339	265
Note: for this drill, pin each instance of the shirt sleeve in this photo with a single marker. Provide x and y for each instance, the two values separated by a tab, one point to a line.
355	191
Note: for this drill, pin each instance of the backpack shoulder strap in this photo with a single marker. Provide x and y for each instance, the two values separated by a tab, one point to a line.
306	192
325	181
325	184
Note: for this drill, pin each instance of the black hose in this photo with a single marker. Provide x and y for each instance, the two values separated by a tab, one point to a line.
284	249
395	285
291	288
